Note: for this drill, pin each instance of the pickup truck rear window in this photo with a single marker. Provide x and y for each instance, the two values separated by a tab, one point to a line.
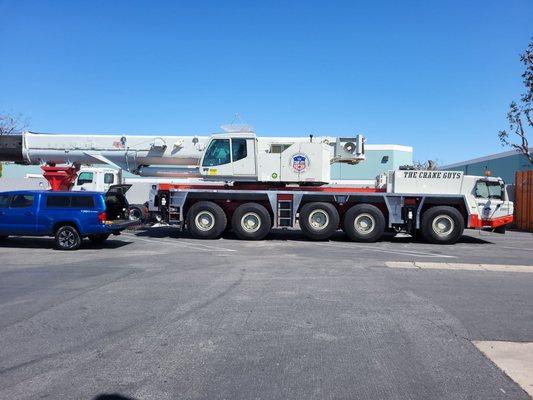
70	201
82	202
58	201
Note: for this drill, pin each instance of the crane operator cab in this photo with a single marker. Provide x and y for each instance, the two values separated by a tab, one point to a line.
246	158
231	157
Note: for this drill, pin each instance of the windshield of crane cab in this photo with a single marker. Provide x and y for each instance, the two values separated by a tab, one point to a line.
489	190
217	153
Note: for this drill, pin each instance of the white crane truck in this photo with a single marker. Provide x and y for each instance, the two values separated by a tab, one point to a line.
253	184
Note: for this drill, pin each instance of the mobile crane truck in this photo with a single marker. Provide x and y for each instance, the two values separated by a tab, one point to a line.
253	184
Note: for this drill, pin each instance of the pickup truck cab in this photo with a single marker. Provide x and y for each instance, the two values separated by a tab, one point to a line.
68	216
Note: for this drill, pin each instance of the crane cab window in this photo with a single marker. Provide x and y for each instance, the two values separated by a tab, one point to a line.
489	190
109	178
238	149
218	153
85	177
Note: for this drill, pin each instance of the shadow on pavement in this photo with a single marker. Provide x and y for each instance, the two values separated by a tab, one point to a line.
112	396
290	235
27	242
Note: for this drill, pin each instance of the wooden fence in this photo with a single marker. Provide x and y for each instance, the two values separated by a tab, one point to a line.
523	203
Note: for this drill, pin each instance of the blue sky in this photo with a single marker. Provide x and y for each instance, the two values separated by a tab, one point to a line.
436	75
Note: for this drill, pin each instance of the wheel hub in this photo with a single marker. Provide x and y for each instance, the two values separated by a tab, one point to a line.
251	222
67	238
135	214
443	225
319	219
204	220
364	223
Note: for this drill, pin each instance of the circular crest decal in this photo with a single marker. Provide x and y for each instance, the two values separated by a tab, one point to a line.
299	162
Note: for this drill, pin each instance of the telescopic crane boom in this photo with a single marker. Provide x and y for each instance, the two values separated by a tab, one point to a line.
236	156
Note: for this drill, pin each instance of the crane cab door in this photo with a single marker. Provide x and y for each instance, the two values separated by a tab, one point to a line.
231	158
243	157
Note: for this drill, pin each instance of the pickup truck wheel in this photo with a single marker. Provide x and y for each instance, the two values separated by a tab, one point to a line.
98	239
2	237
206	220
364	223
318	221
251	221
67	238
442	225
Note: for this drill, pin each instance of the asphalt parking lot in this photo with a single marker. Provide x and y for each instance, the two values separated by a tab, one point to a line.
159	315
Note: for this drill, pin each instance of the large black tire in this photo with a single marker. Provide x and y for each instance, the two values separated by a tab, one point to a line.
319	221
251	221
206	220
137	212
500	229
67	238
2	237
442	225
364	223
99	239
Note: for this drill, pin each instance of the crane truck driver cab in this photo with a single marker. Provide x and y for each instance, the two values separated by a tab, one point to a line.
230	156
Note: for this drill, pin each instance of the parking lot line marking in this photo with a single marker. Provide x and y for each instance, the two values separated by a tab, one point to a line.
183	244
411	253
207	246
515	359
515	248
460	266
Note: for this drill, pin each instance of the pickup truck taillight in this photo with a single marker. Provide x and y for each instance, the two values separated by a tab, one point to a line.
102	217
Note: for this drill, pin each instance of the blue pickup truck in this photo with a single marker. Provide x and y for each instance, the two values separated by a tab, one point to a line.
68	216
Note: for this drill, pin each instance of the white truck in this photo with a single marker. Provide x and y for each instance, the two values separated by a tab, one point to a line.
100	179
438	205
253	184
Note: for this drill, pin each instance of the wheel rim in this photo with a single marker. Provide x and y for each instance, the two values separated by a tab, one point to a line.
204	220
251	222
67	238
135	214
318	220
364	223
443	225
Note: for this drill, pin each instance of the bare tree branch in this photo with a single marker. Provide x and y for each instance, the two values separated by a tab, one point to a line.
517	112
10	124
431	165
